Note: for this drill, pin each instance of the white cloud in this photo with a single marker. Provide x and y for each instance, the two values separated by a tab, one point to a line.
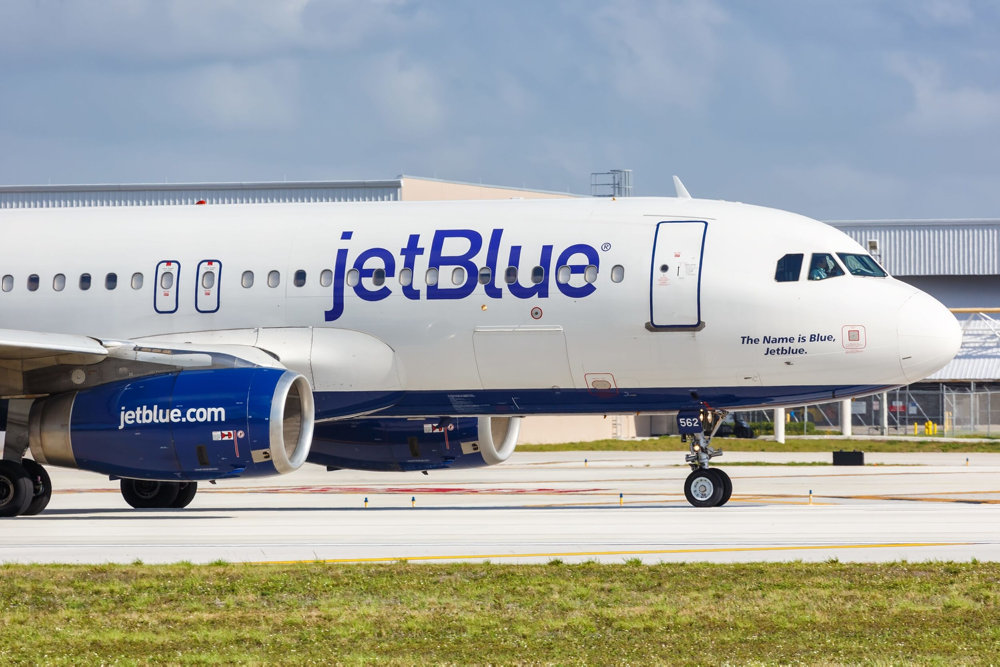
229	97
941	12
406	95
940	107
660	52
168	30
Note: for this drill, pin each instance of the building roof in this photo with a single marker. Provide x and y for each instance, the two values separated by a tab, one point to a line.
408	188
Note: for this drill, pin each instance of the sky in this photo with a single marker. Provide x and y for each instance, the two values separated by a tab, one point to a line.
837	109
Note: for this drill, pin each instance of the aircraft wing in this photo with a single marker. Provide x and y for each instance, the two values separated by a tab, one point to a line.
17	345
36	363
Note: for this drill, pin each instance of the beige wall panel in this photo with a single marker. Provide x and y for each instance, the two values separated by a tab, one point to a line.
578	428
419	189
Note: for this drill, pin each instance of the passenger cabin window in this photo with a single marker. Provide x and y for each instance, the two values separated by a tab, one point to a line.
458	276
326	278
485	275
378	277
59	282
861	265
590	274
510	275
823	266
85	281
8	283
431	277
299	279
166	280
617	273
33	282
273	279
136	281
247	279
537	275
353	277
789	268
111	281
208	280
405	277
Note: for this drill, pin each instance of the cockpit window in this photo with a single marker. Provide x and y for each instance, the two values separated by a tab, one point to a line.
861	265
823	266
788	269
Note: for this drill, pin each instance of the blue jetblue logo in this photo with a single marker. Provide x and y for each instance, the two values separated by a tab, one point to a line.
451	249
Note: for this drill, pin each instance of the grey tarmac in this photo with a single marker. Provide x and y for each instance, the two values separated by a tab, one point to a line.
536	507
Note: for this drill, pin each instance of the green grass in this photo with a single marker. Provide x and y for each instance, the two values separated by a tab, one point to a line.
480	613
673	443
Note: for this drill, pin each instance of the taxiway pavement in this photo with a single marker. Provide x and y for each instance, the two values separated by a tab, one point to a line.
574	506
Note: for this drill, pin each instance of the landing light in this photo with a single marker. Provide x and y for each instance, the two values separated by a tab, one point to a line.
696	448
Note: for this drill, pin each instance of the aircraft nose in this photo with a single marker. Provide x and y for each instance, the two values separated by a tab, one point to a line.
929	336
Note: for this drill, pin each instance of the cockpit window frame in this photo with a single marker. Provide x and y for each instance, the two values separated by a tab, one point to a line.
833	269
793	271
872	269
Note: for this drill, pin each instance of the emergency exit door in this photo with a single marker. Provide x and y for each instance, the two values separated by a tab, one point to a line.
675	280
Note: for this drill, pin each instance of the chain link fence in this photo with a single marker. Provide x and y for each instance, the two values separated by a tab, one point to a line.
954	410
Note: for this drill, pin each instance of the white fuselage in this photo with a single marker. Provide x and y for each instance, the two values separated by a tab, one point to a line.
641	304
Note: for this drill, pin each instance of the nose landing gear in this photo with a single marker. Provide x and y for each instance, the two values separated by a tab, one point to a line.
704	487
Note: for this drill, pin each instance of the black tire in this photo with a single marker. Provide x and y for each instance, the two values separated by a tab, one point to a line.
146	494
41	487
702	488
16	490
185	494
727	485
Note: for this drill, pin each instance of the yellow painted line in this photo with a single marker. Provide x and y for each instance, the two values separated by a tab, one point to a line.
636	552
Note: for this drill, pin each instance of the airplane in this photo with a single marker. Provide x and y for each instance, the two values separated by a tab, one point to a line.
169	345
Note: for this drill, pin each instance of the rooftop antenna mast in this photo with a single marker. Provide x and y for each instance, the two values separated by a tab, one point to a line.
614	183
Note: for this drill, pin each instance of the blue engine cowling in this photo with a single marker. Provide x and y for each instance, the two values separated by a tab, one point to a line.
408	444
188	425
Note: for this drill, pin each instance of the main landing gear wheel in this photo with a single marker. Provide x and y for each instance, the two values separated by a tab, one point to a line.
703	488
185	494
41	487
146	494
16	489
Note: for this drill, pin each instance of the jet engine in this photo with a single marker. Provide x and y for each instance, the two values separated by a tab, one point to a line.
408	444
184	426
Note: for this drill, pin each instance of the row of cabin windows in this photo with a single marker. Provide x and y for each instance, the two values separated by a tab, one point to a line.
59	282
431	277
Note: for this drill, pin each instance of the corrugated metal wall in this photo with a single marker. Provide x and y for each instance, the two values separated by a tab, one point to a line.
60	196
931	247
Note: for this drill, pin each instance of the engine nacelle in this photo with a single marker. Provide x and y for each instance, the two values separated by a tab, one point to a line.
189	425
407	444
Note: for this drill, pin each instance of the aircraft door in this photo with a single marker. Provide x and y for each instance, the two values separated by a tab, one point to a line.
165	297
675	276
206	296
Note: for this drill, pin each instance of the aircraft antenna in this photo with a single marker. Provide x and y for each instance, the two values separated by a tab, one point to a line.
682	192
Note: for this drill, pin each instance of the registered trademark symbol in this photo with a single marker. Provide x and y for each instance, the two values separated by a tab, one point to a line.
606	247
